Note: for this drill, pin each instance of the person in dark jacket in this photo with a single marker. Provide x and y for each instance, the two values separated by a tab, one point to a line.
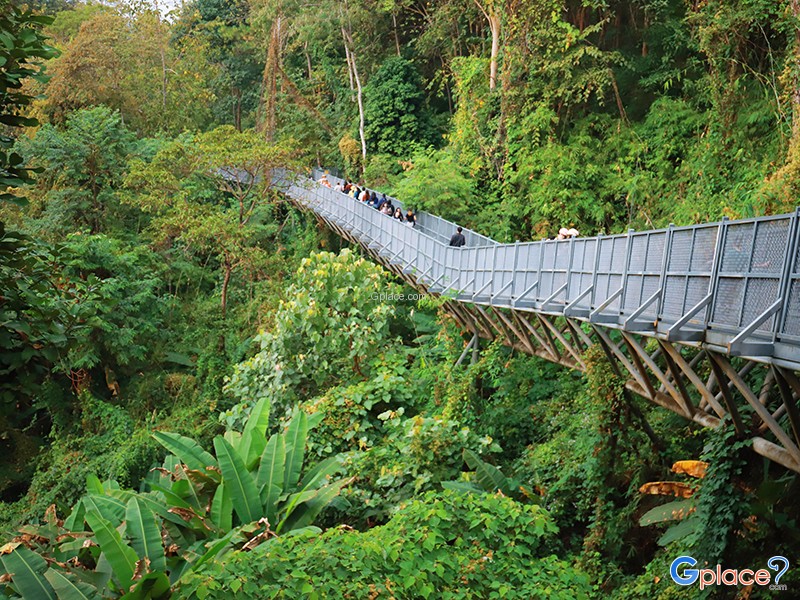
458	238
411	218
398	214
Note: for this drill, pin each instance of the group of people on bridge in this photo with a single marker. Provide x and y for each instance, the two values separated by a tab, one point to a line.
370	198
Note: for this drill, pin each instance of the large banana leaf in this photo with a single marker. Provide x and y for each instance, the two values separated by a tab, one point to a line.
68	589
112	509
27	574
270	475
304	512
143	531
153	586
94	485
254	436
671	511
186	449
242	486
296	435
154	503
74	522
324	469
222	508
120	556
489	477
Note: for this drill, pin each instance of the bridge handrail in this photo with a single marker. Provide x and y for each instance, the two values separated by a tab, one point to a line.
434	225
733	285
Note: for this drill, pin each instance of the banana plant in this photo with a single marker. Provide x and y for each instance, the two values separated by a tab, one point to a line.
135	545
486	478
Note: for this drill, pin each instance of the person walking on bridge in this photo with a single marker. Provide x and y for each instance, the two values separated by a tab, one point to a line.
458	238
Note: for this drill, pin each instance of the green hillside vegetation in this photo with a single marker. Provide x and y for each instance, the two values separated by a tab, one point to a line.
202	394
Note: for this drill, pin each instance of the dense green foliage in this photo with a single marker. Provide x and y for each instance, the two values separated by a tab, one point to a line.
203	394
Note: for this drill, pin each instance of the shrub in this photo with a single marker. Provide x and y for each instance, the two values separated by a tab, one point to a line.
447	545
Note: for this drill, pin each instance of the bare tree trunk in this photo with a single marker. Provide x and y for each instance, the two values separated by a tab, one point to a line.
396	36
270	87
494	26
226	279
349	40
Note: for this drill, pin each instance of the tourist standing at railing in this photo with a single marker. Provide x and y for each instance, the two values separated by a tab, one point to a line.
398	214
338	187
458	238
411	219
364	196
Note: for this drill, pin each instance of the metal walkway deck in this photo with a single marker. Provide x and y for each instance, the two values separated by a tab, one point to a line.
703	320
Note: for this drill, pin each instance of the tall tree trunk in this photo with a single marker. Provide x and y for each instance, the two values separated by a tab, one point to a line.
270	81
494	25
348	40
396	36
226	279
493	18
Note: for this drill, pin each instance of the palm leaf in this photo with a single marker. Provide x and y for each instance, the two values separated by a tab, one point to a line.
67	589
153	586
302	515
109	507
222	508
270	475
142	529
671	511
27	573
489	477
295	448
242	486
120	556
186	449
254	436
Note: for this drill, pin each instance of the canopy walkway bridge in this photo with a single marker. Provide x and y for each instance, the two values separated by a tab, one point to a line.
702	320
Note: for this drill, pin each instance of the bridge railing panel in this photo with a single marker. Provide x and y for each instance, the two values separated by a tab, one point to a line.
482	286
581	272
556	255
505	258
688	273
790	322
643	274
611	262
749	292
527	273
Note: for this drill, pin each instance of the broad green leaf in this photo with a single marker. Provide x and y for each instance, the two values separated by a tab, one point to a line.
462	486
94	485
254	436
295	448
120	556
270	475
186	449
489	477
153	586
74	522
109	507
679	531
144	534
68	589
324	469
222	509
303	515
671	511
27	573
242	486
215	548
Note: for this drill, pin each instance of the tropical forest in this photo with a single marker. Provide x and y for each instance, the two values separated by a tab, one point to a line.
209	392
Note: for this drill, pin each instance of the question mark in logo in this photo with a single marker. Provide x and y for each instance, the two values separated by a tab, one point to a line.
774	563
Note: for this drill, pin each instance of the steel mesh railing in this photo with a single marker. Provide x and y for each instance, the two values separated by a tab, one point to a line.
731	284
